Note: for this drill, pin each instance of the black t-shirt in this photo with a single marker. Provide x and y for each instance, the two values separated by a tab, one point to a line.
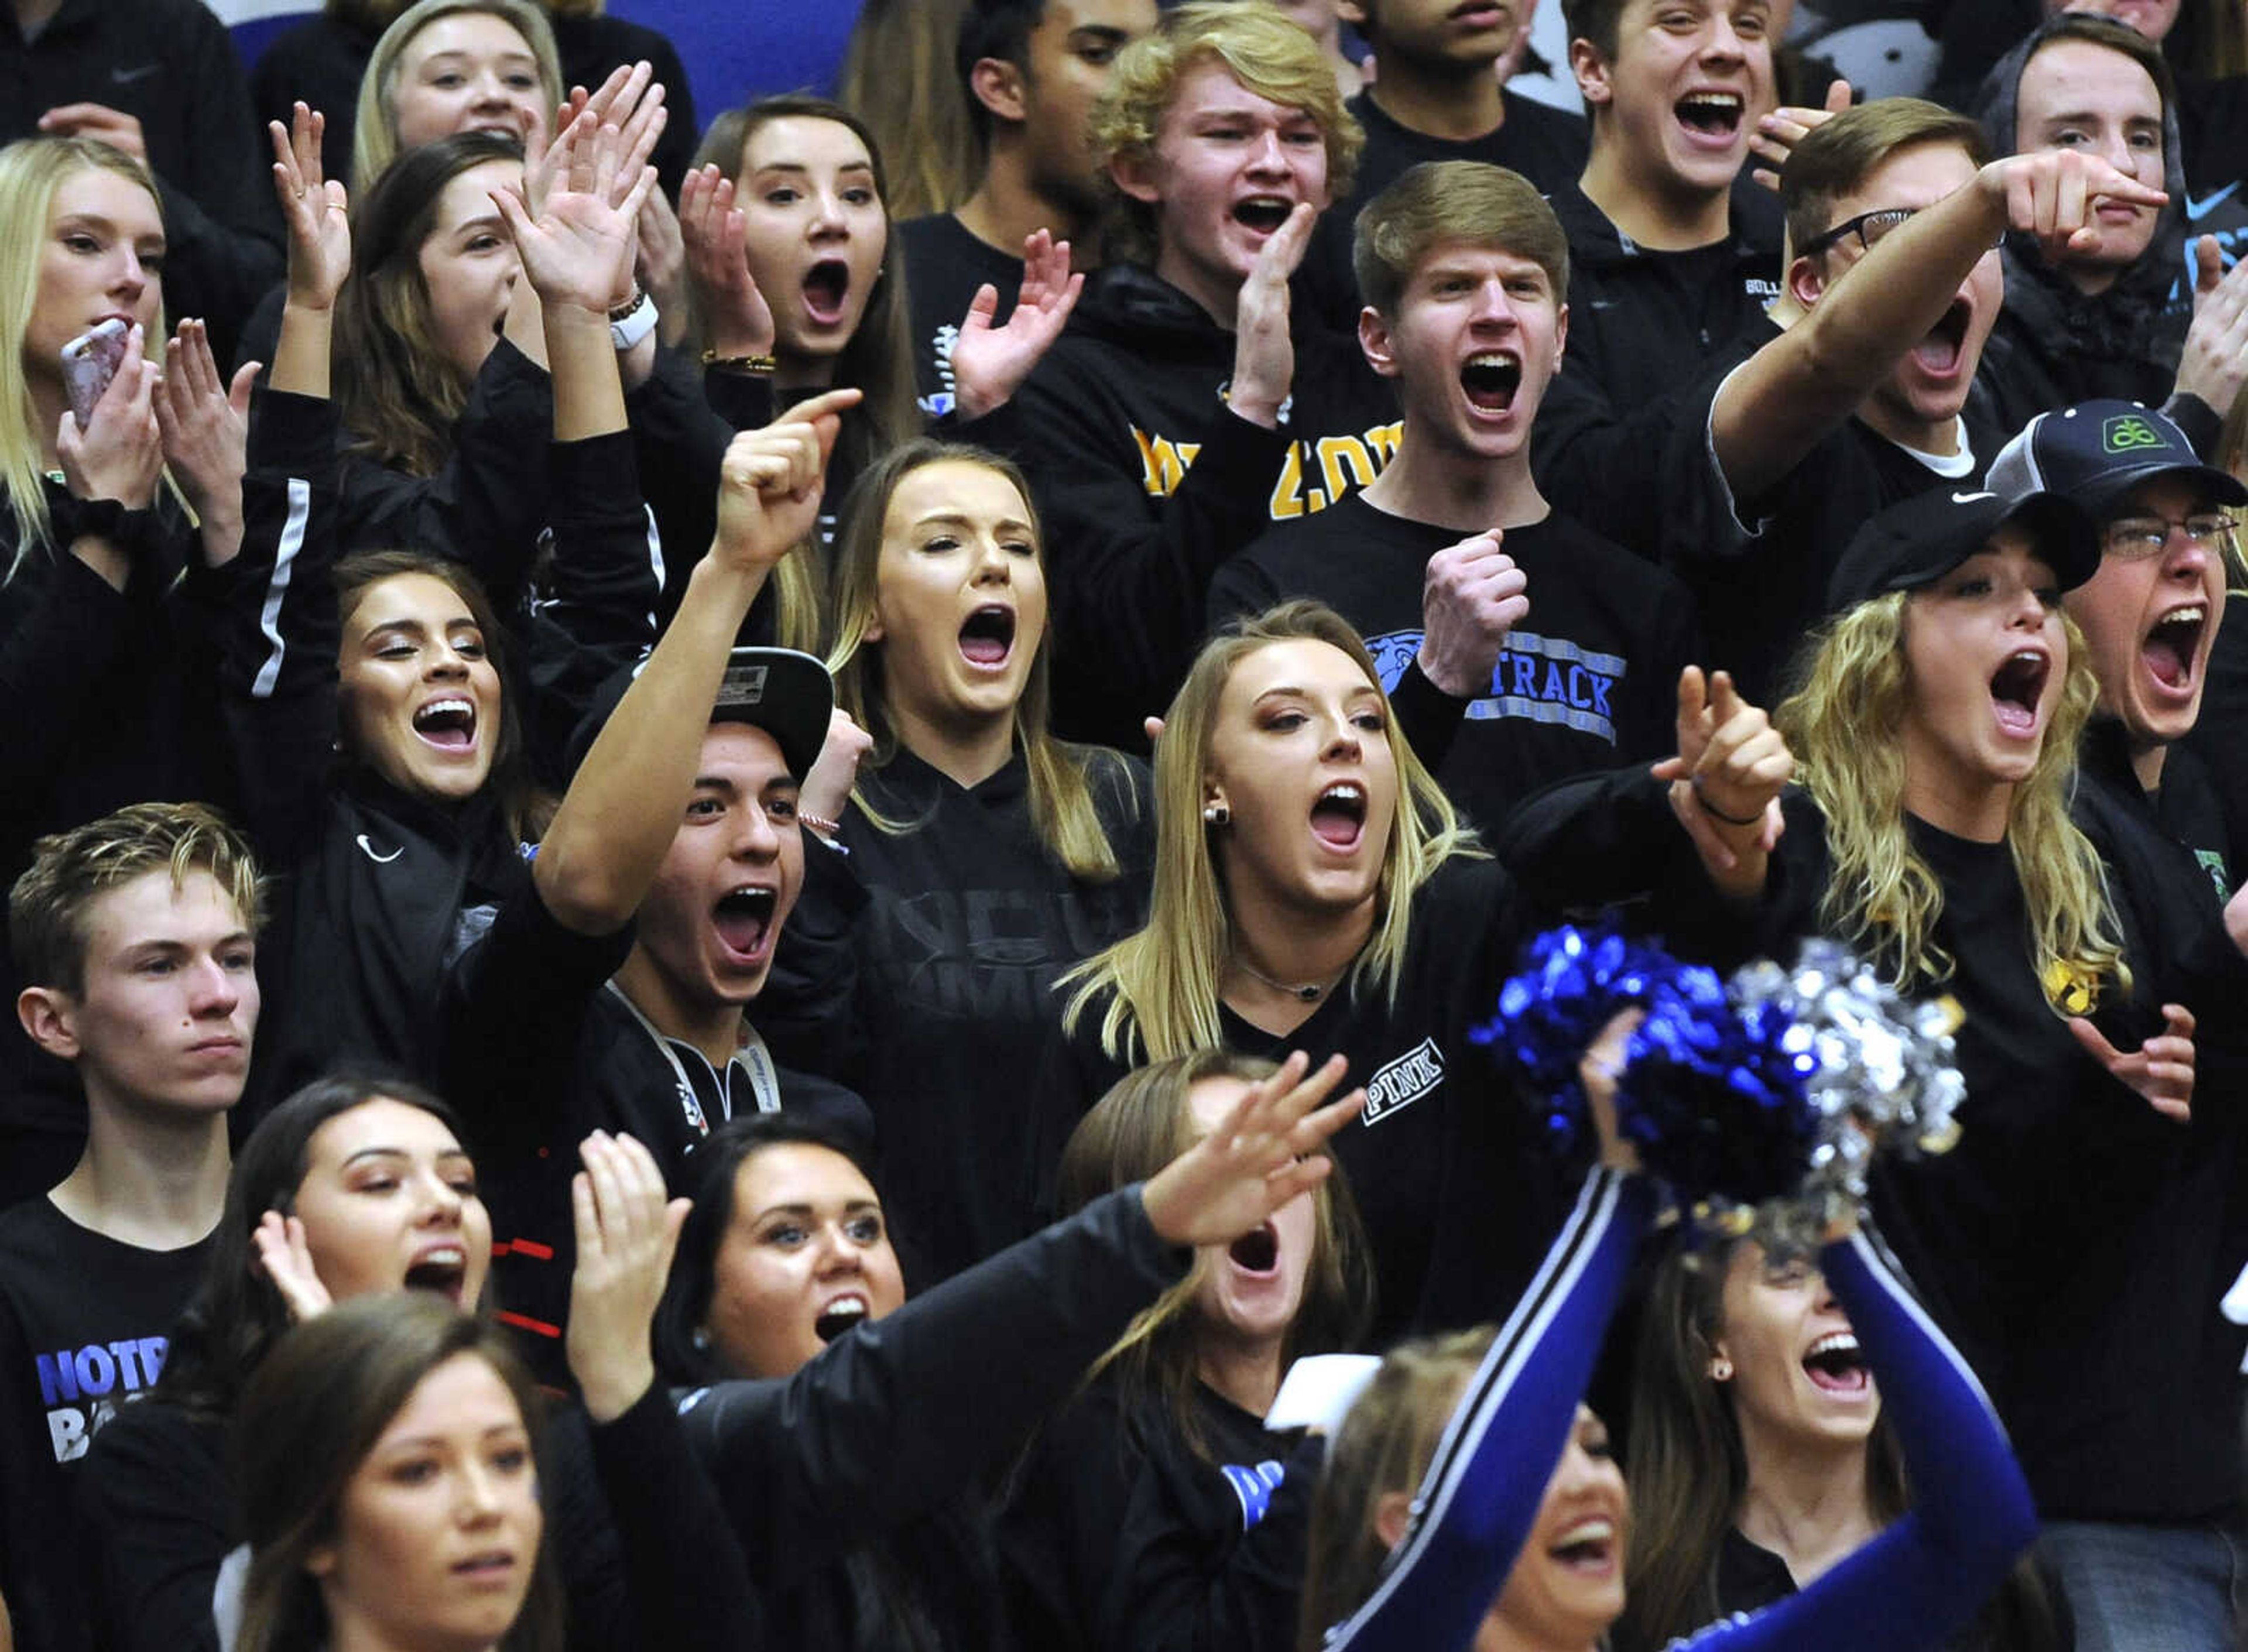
1459	1201
945	264
956	929
1588	681
1117	1535
1545	145
84	1324
1758	567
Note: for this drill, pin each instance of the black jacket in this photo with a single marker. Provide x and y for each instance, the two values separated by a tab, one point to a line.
1643	325
1147	483
170	63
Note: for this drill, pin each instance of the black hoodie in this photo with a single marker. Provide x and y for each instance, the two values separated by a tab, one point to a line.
1147	483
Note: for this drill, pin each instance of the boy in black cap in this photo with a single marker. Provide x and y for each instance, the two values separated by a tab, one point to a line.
2150	613
614	1000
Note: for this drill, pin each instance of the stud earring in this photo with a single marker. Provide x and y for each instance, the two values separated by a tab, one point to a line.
1216	814
1721	1369
700	1338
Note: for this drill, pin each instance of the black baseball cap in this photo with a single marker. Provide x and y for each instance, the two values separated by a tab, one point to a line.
788	694
2096	452
1918	542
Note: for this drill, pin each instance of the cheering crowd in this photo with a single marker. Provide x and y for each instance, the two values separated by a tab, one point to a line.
733	911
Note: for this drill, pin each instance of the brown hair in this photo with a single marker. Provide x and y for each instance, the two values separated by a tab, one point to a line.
1439	203
309	1417
397	391
1264	51
898	77
1134	1131
49	908
1384	1445
1596	21
2098	30
1837	156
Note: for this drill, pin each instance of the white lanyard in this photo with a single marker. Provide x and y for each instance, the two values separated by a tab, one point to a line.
756	1060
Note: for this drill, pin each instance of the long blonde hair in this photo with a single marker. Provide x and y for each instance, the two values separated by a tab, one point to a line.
374	127
1157	991
1060	775
30	171
1845	725
899	77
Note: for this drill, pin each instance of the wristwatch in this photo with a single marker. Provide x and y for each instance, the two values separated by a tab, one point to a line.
632	322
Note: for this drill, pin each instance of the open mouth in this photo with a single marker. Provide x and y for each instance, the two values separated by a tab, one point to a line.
1490	379
1939	352
839	1316
1714	114
988	636
443	1270
744	918
2015	690
1836	1365
1338	816
1257	1252
449	725
2174	646
493	1566
1589	1546
1263	213
826	285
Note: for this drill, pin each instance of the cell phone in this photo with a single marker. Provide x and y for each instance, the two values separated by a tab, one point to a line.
89	361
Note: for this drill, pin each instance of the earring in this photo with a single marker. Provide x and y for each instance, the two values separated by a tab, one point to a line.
1216	814
1721	1369
701	1338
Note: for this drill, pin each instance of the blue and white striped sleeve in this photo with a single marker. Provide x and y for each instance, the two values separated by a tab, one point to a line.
1480	1495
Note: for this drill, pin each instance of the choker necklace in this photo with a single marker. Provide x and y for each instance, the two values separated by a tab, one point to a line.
1309	991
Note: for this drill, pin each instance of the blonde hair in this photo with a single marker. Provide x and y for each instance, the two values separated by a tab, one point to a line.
1257	46
1384	1445
30	171
899	77
1157	991
374	128
1845	725
1451	203
1060	775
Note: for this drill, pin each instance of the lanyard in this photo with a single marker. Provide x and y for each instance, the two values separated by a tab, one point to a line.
752	1056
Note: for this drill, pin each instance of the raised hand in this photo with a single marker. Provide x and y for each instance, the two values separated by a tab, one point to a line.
1472	596
579	249
287	1260
2161	1070
826	791
1600	1070
2214	364
627	1229
1264	350
989	363
204	424
2054	195
769	483
716	234
1261	1155
660	260
120	453
1726	779
315	208
100	122
1778	133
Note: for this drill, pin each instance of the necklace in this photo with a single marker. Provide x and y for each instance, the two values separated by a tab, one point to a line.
1309	991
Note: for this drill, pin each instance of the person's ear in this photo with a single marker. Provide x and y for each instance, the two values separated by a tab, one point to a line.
1595	82
1134	174
1721	1363
1392	1514
49	1017
320	1561
1561	334
1807	281
997	85
1374	337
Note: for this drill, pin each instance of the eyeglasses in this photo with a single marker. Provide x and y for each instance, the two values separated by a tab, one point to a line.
2136	538
1868	227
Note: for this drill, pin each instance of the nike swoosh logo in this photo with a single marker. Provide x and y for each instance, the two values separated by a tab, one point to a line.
126	77
1956	499
379	860
2197	210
